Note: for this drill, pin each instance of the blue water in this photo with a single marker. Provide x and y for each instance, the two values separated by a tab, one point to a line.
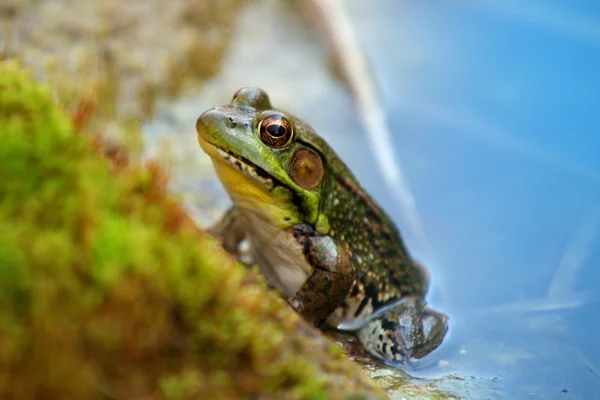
495	112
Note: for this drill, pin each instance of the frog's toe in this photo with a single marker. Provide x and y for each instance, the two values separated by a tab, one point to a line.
403	333
434	328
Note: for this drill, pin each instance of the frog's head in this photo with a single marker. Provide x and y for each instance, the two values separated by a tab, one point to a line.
267	160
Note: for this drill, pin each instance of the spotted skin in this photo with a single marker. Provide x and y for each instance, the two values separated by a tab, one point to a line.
385	273
318	237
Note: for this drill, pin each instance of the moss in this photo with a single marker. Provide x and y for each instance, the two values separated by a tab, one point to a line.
109	290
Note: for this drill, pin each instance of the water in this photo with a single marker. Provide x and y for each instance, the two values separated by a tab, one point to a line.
494	110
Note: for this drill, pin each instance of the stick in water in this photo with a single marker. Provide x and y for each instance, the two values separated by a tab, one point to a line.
351	63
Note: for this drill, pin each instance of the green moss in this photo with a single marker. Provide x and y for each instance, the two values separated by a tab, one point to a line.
108	289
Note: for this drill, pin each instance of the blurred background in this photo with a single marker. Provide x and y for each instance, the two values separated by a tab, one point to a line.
490	109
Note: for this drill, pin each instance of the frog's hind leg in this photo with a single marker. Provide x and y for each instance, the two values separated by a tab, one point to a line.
406	331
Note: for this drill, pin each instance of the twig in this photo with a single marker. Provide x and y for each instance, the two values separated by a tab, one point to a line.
575	255
336	28
543	304
590	366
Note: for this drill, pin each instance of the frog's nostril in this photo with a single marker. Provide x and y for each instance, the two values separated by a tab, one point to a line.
232	122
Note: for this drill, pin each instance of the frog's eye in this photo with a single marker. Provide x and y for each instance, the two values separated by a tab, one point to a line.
275	130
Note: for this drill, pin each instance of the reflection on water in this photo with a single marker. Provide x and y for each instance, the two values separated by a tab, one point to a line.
493	107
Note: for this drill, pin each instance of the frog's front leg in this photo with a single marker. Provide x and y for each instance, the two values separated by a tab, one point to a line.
405	332
230	232
331	280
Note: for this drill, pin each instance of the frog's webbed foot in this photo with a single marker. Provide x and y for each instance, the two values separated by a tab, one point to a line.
406	332
230	232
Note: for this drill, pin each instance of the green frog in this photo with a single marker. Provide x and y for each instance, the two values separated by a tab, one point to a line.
317	236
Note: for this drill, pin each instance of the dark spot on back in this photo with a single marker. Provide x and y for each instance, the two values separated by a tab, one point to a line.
388	325
372	291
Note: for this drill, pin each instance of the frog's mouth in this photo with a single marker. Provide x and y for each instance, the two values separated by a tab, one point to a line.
237	163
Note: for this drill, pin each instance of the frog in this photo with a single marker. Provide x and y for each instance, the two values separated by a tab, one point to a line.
319	239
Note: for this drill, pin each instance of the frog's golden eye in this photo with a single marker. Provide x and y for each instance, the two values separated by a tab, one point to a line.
275	130
306	168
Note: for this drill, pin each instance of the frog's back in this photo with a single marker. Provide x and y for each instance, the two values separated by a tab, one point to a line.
385	270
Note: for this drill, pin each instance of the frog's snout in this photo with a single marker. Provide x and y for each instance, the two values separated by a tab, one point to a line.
206	124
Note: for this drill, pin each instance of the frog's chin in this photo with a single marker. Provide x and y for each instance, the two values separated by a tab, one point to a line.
250	188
